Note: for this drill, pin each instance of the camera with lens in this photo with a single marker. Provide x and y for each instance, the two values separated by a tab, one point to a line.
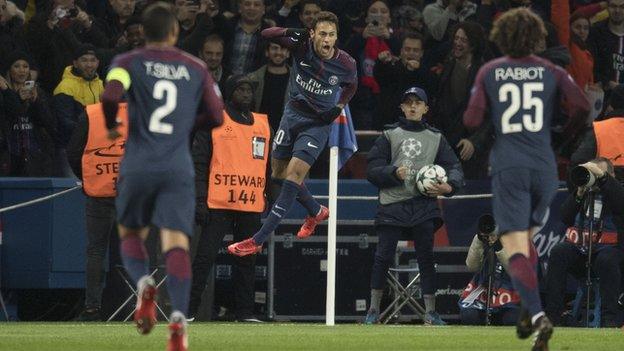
487	228
582	177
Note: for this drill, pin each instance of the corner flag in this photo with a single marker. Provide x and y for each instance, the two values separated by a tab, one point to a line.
342	135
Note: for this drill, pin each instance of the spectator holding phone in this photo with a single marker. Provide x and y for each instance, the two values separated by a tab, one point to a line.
55	33
376	37
29	123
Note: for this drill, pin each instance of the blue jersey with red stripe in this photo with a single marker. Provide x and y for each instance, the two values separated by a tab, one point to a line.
521	95
168	89
318	83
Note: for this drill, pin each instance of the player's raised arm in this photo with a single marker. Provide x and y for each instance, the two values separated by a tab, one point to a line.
574	99
118	82
286	37
211	107
473	116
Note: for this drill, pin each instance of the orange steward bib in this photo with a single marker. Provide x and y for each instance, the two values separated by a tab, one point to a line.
102	156
237	174
610	140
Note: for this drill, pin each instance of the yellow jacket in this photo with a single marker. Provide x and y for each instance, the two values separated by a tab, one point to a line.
84	91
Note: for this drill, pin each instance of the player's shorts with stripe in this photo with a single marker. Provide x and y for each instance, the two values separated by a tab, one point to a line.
300	135
163	199
522	198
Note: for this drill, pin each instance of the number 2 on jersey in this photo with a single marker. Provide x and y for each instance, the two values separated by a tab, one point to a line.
525	99
163	89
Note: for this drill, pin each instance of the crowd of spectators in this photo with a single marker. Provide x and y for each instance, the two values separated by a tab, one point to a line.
64	47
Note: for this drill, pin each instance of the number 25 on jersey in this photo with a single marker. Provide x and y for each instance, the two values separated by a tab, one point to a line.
522	97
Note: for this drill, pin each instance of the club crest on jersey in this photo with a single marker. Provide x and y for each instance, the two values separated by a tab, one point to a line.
333	80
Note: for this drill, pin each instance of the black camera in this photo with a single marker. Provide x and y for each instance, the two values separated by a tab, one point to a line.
487	227
582	177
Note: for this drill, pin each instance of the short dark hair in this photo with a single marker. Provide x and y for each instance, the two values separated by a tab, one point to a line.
518	32
158	21
325	16
413	36
214	38
303	3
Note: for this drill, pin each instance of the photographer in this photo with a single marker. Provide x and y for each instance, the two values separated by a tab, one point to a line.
487	258
595	180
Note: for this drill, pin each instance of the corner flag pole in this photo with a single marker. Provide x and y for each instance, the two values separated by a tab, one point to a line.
330	310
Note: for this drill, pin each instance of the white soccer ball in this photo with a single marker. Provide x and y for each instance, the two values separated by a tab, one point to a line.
429	175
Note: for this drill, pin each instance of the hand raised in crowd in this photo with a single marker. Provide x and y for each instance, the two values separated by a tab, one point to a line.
412	65
402	172
386	57
84	19
3	83
466	149
439	189
289	4
211	8
27	94
186	9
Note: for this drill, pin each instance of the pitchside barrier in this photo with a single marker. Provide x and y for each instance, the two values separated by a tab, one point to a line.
44	243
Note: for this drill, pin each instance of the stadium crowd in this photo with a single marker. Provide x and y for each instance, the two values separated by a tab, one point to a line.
54	54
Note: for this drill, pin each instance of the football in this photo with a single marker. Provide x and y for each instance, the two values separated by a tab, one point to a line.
429	175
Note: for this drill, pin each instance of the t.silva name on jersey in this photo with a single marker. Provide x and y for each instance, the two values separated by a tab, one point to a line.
166	71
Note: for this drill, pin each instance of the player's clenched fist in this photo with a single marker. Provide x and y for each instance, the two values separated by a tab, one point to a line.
297	33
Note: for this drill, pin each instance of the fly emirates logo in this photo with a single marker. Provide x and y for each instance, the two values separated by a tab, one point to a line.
312	86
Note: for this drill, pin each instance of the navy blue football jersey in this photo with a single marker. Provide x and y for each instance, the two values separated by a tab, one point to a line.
522	95
318	83
166	90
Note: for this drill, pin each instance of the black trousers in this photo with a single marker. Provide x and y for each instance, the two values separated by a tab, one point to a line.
607	267
241	225
100	222
422	235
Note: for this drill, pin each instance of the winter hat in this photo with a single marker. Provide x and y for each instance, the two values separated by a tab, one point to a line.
234	82
13	56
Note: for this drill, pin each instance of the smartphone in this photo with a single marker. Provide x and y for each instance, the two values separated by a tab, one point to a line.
29	84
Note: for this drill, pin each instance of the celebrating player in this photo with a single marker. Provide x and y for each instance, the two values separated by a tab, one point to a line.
322	81
521	92
166	89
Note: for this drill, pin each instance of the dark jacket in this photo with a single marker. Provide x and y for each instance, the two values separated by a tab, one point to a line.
77	143
227	29
11	39
612	193
382	174
604	45
393	79
448	118
54	49
29	134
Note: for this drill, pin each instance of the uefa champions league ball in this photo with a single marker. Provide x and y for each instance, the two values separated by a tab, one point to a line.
429	175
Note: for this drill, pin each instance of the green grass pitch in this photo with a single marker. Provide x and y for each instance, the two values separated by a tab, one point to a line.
274	336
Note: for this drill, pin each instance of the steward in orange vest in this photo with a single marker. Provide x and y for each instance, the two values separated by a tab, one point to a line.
100	156
607	138
95	159
231	174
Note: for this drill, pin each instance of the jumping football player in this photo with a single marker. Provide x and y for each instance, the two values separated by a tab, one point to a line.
322	81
